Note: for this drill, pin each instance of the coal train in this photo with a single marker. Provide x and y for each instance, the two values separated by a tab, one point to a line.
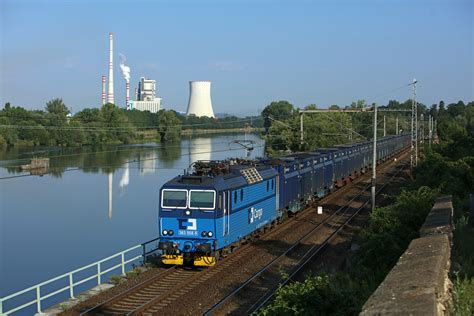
211	210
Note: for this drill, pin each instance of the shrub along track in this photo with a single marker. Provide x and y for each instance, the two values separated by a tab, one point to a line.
259	288
197	289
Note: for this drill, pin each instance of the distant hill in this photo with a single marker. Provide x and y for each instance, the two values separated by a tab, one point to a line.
223	115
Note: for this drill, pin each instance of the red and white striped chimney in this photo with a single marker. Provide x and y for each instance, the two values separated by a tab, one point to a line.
127	93
111	69
103	90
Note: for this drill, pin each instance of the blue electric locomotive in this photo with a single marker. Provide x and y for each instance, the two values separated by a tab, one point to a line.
217	205
210	210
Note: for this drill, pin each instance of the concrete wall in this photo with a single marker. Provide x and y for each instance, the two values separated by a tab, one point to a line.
419	283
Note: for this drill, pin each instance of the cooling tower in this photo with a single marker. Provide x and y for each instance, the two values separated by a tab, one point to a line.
200	99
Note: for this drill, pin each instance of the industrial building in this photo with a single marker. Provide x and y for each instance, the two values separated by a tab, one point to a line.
200	99
146	99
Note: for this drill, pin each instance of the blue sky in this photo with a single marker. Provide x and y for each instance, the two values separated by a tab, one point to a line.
254	52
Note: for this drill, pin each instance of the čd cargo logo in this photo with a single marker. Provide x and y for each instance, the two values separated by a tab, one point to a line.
255	214
187	224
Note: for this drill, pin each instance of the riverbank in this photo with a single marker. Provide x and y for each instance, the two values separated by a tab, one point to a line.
248	130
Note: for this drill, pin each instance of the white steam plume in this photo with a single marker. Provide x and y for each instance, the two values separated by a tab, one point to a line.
125	69
125	180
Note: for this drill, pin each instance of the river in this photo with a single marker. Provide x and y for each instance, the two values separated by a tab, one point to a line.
63	220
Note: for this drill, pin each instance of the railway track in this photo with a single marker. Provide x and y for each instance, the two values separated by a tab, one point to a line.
154	295
259	288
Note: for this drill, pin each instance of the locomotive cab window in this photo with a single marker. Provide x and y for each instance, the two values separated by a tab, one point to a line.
202	199
241	195
174	198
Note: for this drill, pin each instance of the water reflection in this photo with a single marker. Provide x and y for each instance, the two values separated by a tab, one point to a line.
199	149
125	180
108	159
169	154
147	162
110	177
72	210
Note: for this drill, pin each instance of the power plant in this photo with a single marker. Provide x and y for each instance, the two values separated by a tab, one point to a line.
146	97
199	103
200	99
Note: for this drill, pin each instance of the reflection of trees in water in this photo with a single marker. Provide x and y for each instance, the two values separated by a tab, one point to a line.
108	159
168	155
105	159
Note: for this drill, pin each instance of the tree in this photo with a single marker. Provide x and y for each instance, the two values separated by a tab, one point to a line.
57	107
115	123
278	110
169	126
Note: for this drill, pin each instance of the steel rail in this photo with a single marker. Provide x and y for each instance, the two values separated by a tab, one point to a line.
270	264
121	295
235	255
267	296
298	242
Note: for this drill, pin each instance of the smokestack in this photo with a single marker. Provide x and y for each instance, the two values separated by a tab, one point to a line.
126	75
111	69
103	90
127	94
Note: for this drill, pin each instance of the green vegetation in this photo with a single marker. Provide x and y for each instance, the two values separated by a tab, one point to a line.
448	168
116	279
390	230
282	125
463	268
55	126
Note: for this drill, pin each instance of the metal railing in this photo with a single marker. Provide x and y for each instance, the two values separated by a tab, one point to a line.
69	277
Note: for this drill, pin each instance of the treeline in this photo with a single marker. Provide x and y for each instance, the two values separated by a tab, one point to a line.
282	123
55	126
446	168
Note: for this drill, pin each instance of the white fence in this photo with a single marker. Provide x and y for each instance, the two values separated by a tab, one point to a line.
70	278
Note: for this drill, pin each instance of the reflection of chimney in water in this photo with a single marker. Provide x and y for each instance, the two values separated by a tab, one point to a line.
110	194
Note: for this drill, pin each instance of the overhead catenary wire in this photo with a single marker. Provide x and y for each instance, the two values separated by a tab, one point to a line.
128	149
122	163
117	128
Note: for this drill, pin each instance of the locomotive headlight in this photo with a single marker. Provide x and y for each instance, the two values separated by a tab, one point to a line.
170	232
187	212
165	232
210	234
204	234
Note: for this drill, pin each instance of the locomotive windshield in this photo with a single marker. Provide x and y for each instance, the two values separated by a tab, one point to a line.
174	198
202	199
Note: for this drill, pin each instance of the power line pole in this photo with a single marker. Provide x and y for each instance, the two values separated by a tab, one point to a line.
301	129
430	128
422	133
396	126
384	127
414	145
374	158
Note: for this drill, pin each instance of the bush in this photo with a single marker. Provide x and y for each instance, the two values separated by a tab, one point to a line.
390	230
318	295
116	279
